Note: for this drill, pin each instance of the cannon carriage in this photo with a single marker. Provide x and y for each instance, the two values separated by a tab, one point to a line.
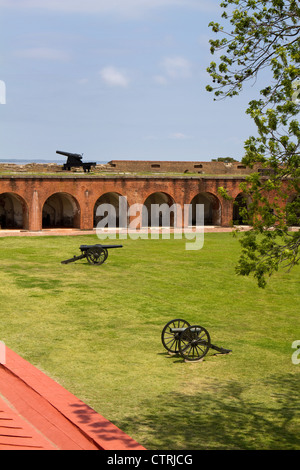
95	254
75	160
191	342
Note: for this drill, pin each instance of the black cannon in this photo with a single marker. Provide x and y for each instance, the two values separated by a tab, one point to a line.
192	342
74	160
95	254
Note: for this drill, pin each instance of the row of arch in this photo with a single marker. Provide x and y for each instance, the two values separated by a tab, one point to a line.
62	210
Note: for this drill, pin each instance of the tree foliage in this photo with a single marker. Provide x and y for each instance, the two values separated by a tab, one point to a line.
224	160
262	38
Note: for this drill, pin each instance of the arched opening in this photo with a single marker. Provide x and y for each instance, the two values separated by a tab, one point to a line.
13	212
211	209
111	211
158	211
240	210
61	210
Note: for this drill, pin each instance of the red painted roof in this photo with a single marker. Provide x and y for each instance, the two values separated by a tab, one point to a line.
36	413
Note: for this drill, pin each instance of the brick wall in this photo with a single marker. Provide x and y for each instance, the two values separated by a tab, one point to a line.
84	191
138	166
209	168
26	195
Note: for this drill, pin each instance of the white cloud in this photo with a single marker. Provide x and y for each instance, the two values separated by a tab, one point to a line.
177	67
174	68
114	77
127	8
178	136
2	92
160	79
44	53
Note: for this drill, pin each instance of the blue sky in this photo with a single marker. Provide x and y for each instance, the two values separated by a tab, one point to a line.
114	79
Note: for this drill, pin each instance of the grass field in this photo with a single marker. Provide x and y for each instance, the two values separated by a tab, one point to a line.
96	330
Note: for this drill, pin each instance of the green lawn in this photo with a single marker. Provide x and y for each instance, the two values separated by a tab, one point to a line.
96	330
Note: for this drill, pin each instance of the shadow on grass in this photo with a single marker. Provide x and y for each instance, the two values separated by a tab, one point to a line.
32	282
222	418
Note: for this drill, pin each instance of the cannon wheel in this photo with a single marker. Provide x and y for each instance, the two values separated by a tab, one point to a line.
194	343
96	255
169	339
105	253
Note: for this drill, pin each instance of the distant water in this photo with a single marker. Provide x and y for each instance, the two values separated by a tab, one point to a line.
26	162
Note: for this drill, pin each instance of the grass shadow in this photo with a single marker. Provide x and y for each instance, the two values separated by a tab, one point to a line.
223	417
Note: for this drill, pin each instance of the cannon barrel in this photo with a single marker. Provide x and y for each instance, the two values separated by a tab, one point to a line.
68	154
75	160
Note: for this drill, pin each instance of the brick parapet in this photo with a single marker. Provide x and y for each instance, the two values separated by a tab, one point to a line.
138	166
32	192
85	190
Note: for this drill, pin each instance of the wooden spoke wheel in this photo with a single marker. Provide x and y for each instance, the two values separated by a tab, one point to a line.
96	255
170	338
194	343
105	253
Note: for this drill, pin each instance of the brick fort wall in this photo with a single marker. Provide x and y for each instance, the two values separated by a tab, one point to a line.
29	196
34	197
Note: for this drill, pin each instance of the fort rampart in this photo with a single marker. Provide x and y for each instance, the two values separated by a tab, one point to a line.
140	166
55	199
37	202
